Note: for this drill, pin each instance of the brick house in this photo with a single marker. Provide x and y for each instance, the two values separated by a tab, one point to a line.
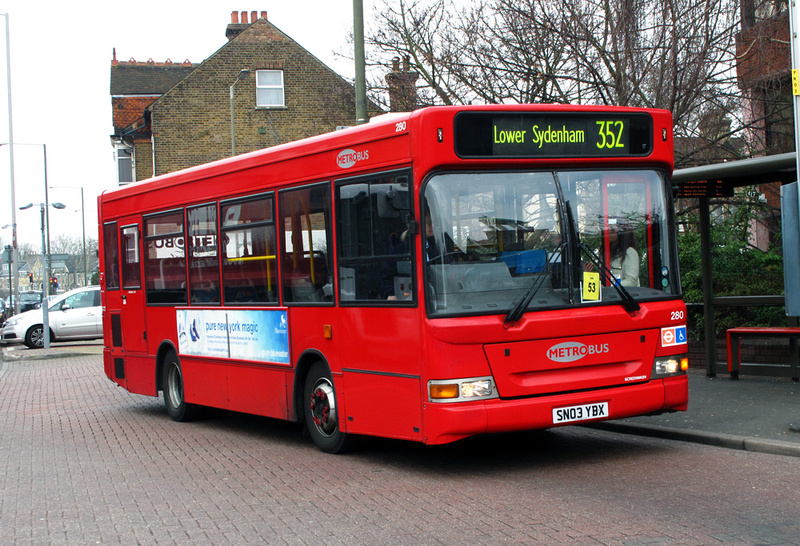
764	75
763	69
134	87
181	115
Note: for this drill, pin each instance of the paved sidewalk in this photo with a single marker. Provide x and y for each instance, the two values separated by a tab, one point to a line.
751	413
56	350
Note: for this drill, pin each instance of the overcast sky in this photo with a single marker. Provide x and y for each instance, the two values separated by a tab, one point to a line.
60	67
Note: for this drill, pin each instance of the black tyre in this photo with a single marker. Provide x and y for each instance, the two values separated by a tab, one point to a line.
172	385
34	337
321	411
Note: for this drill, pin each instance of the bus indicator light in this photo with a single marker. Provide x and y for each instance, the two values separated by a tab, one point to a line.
670	365
448	390
462	390
327	331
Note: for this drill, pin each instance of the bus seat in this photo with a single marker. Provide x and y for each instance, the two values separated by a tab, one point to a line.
525	261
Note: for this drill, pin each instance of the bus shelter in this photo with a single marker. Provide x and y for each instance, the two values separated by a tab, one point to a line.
715	181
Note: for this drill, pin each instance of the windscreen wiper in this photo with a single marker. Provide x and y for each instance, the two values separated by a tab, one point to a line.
519	308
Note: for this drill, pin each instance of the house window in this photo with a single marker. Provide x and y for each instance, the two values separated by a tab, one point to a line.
269	88
124	164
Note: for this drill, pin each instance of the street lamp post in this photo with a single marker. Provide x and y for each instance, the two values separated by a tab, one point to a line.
83	232
10	250
14	263
7	256
46	283
242	75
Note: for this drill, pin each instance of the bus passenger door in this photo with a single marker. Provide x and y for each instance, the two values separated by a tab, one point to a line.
132	300
123	312
380	358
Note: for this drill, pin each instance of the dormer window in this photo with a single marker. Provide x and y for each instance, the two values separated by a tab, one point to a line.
269	89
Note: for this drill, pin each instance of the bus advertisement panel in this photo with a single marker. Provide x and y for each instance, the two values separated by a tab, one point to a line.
261	335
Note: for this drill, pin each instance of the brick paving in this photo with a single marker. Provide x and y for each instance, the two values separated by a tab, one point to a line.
82	461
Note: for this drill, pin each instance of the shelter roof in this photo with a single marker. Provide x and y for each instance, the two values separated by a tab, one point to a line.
723	177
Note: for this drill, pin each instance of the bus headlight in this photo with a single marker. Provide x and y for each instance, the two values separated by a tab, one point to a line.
462	390
670	365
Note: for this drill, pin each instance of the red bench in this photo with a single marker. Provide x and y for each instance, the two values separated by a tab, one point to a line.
735	336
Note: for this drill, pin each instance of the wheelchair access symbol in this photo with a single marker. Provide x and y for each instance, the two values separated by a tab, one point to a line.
674	335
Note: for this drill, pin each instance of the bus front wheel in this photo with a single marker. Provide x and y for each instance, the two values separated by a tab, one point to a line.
321	412
172	383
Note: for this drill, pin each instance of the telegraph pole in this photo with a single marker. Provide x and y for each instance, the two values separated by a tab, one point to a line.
361	77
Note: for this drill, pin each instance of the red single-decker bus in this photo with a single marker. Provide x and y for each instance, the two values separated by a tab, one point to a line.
427	276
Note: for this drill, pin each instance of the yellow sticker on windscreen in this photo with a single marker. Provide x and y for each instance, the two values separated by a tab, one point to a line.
591	286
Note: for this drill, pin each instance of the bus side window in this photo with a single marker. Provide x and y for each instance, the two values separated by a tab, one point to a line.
249	249
203	254
373	216
131	277
305	219
111	255
165	261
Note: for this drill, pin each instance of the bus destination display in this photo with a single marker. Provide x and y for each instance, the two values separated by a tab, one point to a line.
479	134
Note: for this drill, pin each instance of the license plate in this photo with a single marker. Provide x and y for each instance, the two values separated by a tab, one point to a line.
582	412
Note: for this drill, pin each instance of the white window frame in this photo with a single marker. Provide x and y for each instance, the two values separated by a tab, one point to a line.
272	87
118	146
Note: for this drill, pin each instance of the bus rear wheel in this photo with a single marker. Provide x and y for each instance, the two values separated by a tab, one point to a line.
172	384
321	412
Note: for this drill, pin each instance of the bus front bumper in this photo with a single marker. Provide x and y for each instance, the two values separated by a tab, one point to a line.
446	423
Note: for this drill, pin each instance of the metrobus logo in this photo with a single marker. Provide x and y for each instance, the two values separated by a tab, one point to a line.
570	351
348	158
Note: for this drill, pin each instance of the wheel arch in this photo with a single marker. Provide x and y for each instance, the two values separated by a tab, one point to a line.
304	363
37	325
165	347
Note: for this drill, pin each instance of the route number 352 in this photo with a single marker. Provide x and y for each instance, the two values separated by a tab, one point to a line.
609	134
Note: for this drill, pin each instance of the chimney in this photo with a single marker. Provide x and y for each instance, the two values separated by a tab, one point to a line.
402	86
239	22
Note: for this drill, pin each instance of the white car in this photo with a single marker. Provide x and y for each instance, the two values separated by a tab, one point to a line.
77	314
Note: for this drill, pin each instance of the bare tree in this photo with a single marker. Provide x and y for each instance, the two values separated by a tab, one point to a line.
673	54
73	246
422	31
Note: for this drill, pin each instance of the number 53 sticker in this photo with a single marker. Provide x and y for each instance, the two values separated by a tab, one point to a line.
591	286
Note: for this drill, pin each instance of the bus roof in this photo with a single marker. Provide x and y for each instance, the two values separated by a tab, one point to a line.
381	127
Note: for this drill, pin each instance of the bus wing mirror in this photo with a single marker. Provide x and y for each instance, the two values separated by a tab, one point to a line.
386	208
